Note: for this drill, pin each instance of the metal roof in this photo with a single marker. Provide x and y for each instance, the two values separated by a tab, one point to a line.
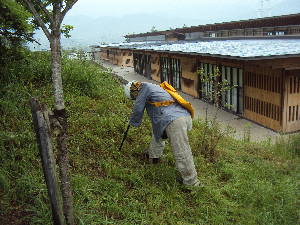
223	48
275	21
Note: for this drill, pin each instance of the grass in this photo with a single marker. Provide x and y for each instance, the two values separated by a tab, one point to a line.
248	183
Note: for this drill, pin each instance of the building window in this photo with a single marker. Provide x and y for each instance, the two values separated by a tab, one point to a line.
231	99
279	33
171	71
142	64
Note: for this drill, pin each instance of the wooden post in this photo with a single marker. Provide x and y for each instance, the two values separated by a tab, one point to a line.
284	101
42	129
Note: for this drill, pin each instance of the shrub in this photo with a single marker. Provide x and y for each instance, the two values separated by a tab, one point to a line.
33	69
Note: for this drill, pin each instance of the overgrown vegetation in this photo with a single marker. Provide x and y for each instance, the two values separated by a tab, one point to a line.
247	183
15	30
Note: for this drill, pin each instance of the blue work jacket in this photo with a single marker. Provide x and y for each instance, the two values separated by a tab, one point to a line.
160	116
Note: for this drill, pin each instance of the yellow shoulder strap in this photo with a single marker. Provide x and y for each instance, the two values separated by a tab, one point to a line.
172	91
162	103
165	85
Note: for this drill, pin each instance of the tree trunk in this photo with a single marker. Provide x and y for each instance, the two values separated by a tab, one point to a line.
56	72
60	115
54	18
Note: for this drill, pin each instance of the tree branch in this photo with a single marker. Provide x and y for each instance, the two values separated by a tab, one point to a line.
66	9
43	7
38	18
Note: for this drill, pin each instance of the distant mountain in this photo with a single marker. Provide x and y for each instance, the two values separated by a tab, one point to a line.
88	31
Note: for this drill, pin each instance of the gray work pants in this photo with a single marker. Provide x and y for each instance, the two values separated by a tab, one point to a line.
177	134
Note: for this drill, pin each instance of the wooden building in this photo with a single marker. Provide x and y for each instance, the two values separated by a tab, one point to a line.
270	27
265	74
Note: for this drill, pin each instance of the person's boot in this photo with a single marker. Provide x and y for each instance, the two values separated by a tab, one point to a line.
154	160
151	160
188	188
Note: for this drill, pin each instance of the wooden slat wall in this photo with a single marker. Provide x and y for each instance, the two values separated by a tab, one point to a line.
126	58
112	56
155	67
98	55
117	57
262	96
292	101
189	77
103	54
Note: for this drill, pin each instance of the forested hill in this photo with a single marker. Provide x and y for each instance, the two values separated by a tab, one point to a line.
244	182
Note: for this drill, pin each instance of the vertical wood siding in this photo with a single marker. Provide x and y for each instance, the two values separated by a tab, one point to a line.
262	96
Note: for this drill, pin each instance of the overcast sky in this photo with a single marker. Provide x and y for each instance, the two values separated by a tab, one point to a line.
192	8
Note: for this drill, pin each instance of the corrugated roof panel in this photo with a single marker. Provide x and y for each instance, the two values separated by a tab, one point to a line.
234	48
132	44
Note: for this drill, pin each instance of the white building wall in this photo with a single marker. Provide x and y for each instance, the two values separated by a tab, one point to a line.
156	38
194	35
137	39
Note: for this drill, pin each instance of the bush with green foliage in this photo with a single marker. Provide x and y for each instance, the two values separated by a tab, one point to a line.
15	30
249	183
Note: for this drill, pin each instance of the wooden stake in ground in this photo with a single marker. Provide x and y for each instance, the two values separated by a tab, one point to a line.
42	130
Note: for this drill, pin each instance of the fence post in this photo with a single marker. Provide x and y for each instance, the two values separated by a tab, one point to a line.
42	130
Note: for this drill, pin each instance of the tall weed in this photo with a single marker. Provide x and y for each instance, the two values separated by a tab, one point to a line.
206	138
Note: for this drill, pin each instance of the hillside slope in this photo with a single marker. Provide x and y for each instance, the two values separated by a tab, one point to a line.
245	183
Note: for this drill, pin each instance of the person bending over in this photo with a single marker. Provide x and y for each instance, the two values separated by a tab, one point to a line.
169	120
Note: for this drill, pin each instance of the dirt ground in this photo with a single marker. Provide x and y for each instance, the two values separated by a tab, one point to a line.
242	127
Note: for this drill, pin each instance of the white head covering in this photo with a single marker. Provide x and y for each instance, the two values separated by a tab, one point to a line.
127	89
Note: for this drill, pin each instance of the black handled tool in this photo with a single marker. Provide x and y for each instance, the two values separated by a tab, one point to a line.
124	137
